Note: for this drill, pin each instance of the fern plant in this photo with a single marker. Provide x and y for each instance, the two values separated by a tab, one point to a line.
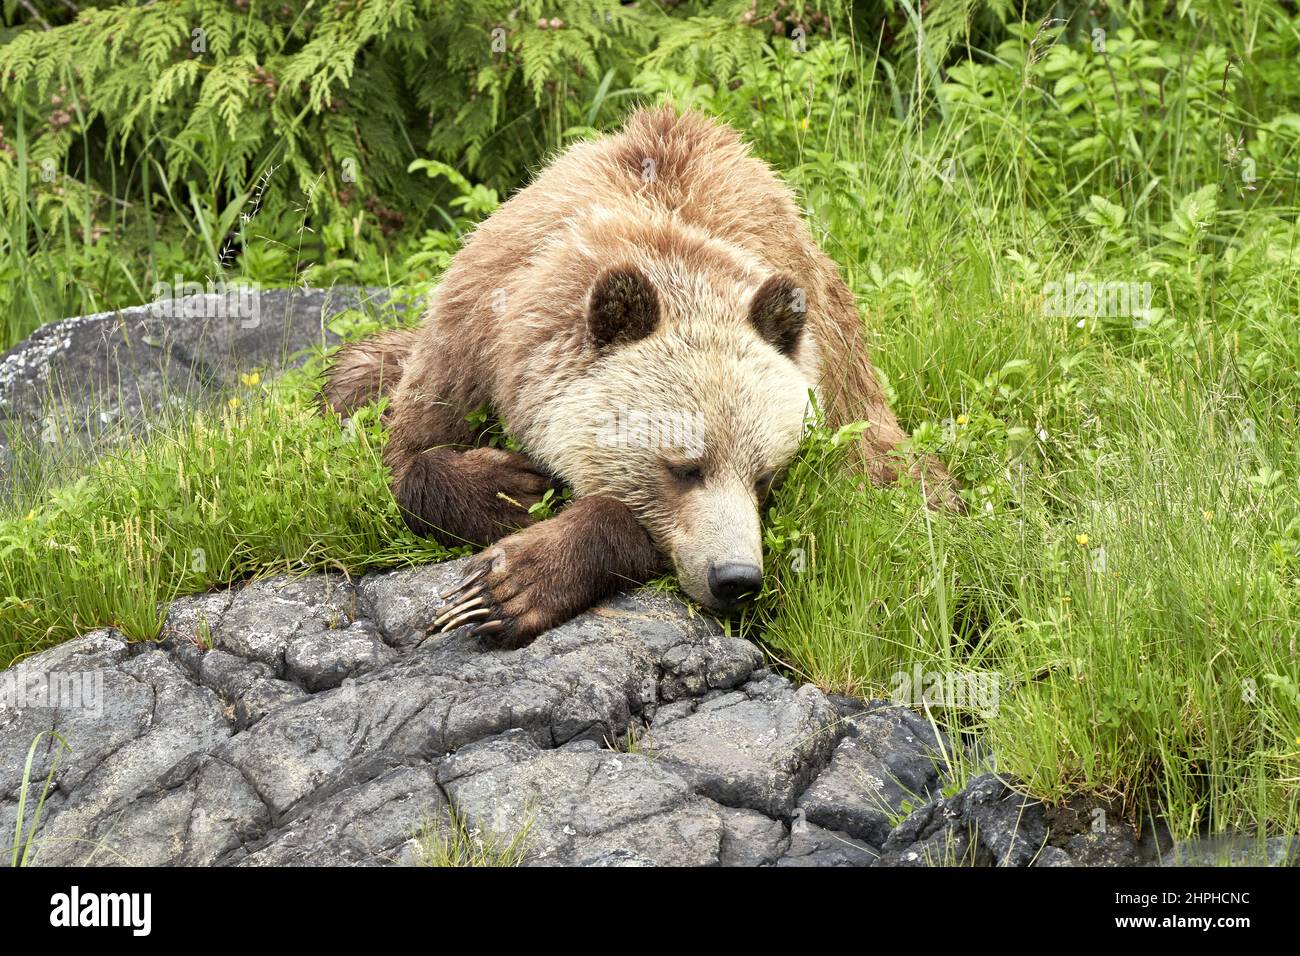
211	126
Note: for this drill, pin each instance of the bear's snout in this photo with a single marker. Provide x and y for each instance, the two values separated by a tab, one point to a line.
730	581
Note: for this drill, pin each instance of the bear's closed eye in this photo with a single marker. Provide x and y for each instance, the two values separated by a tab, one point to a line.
688	473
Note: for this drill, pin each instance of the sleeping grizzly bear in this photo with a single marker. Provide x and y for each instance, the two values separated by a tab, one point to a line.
648	318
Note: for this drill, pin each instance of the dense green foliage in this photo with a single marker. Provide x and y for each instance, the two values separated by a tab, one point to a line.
137	137
1129	567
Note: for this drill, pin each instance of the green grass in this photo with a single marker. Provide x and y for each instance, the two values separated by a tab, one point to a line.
25	842
260	485
455	843
1128	567
1128	571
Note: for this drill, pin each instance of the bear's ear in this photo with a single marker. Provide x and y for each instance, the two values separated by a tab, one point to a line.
778	310
624	307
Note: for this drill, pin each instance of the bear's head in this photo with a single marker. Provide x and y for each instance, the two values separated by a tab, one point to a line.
695	405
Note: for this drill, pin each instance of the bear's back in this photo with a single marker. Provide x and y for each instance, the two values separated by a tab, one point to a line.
687	166
668	189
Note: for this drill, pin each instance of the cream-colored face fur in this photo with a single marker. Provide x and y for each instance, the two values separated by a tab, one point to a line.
687	428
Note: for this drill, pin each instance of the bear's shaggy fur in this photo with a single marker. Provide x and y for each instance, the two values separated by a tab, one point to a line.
662	275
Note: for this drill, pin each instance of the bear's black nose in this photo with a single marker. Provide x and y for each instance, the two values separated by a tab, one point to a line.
732	579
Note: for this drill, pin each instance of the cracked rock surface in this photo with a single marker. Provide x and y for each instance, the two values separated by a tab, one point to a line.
309	720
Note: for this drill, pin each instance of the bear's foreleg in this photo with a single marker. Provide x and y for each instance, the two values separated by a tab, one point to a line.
543	576
445	488
467	497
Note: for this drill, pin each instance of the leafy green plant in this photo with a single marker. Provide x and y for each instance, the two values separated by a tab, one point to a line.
551	503
287	142
491	430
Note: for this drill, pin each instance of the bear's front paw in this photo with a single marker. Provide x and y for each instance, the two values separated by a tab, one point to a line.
472	497
507	595
550	572
501	487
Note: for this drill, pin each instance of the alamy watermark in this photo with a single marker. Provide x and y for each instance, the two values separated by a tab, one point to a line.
630	428
978	691
133	911
1083	297
214	299
68	691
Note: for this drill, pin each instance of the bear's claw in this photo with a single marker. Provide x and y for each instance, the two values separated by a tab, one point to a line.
463	606
464	582
488	628
463	617
467	599
467	602
471	598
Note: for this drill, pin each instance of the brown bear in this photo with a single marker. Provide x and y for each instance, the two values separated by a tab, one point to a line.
649	318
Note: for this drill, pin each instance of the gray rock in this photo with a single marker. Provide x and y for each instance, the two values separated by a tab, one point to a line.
93	650
986	822
619	857
266	616
229	676
1053	856
95	376
263	697
597	807
311	721
691	669
1116	846
368	824
756	752
196	814
886	769
404	603
847	706
576	681
750	839
811	845
192	619
511	747
273	724
322	659
153	716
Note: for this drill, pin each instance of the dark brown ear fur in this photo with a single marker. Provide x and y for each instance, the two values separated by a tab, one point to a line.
778	311
624	307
